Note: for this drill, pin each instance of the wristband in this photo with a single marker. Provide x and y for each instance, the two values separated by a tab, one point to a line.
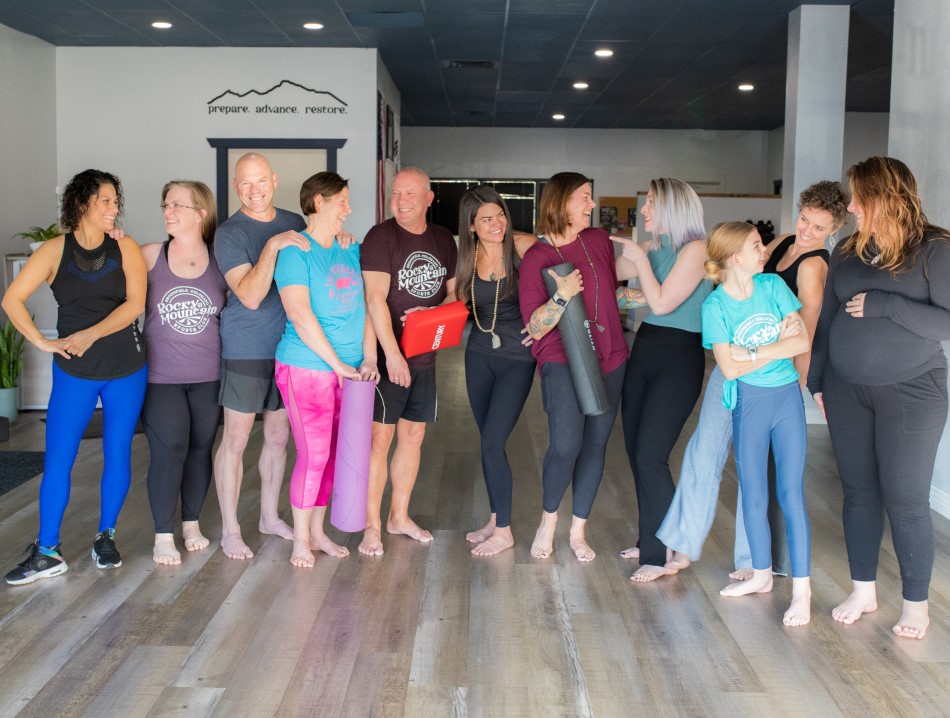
559	300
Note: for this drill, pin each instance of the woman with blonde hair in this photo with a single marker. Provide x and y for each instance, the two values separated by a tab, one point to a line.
742	324
186	293
879	374
665	371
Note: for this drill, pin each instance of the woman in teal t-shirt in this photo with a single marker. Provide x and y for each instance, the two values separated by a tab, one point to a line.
742	323
327	339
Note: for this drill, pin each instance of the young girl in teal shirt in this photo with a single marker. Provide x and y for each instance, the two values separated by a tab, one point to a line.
745	320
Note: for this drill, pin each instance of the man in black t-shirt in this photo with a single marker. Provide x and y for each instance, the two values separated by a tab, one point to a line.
407	265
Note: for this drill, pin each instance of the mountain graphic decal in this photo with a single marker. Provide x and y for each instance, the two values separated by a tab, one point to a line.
280	84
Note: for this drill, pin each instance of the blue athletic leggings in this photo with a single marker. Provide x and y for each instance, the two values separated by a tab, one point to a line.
71	404
763	415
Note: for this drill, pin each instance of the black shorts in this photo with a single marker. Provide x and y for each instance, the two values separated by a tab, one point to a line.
248	386
417	402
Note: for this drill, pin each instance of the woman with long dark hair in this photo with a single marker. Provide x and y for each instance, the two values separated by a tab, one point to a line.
186	293
499	368
99	284
879	374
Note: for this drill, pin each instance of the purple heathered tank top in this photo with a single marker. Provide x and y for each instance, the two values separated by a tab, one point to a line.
181	323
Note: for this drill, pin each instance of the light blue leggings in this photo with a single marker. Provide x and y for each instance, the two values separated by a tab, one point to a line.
763	415
71	404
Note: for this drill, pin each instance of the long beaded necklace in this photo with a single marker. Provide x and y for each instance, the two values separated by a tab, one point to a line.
593	269
495	339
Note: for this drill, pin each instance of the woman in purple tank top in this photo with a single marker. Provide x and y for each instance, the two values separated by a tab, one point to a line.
186	293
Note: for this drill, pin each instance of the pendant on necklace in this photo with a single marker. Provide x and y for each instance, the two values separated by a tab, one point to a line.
491	277
495	341
600	327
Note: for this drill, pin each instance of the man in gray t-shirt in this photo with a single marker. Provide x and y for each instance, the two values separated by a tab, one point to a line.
246	247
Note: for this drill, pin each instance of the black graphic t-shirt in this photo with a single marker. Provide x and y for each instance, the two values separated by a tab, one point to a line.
418	265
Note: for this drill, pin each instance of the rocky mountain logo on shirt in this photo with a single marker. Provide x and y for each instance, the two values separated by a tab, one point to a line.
421	275
757	330
187	310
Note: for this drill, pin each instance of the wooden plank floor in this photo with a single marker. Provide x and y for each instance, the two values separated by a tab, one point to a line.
428	630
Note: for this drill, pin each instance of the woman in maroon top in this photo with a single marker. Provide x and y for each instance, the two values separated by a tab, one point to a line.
578	443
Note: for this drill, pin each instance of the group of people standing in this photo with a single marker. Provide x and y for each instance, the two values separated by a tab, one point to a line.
268	313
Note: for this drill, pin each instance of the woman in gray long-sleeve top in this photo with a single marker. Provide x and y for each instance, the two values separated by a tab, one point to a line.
880	376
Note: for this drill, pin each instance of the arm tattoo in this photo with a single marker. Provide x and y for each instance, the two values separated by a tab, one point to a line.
545	318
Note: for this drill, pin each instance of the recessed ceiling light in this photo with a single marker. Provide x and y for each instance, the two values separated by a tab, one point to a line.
746	87
161	25
557	116
580	86
313	26
604	53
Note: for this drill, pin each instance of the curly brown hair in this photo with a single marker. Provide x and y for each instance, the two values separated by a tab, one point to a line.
82	188
828	196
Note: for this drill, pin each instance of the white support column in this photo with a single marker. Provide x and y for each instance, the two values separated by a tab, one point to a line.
814	100
919	135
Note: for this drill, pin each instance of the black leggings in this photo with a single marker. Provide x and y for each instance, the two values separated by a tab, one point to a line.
664	378
578	443
180	422
497	390
885	441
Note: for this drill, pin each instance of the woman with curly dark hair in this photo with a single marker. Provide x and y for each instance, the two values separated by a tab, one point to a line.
99	284
879	375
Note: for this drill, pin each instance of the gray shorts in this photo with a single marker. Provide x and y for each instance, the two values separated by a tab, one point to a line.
248	386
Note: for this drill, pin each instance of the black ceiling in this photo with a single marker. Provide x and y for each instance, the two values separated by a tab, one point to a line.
677	63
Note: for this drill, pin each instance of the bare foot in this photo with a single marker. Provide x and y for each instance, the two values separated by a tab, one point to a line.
234	547
633	552
372	544
648	573
302	556
323	543
543	544
277	527
799	612
499	541
761	582
194	540
483	533
678	562
741	574
408	527
913	621
863	599
164	551
582	549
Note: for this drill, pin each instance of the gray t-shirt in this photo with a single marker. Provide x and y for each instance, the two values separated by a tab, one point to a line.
246	333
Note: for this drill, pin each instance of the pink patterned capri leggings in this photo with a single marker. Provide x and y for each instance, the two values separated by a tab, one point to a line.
312	399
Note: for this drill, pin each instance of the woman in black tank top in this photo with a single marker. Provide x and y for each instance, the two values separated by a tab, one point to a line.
801	260
99	285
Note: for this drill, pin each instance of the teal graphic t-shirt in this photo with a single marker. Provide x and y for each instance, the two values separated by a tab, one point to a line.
755	321
336	297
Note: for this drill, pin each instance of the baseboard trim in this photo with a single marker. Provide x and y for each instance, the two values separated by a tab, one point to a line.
940	501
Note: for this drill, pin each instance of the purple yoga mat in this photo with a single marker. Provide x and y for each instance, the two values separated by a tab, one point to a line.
348	509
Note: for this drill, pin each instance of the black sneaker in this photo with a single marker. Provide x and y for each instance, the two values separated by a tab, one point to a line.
36	566
104	550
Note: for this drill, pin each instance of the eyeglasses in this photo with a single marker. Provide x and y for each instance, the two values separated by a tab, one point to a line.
175	207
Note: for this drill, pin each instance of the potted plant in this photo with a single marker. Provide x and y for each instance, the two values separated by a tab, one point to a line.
11	363
38	235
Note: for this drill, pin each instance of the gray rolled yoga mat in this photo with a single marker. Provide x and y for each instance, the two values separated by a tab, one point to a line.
578	343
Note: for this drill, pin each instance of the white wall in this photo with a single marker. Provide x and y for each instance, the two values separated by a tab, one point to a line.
143	114
919	134
28	129
621	162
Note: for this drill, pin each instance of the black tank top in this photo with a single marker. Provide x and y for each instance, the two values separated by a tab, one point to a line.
509	324
790	275
88	286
